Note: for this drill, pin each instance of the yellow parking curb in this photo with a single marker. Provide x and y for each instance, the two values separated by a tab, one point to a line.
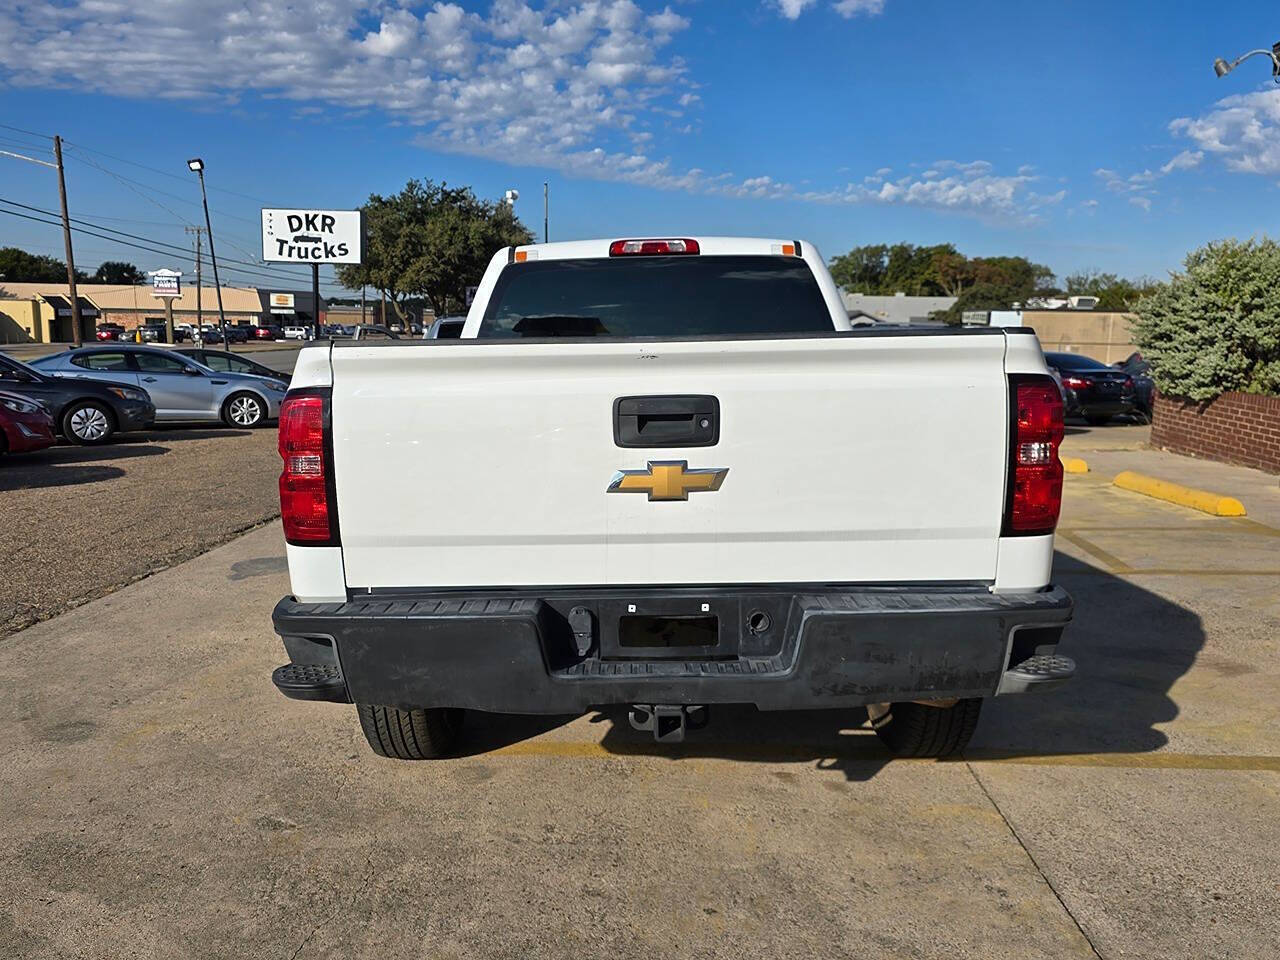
1075	465
1214	503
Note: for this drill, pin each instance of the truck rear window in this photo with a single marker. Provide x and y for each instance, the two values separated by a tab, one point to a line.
656	297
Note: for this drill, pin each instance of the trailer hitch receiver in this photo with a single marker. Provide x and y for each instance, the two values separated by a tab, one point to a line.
668	721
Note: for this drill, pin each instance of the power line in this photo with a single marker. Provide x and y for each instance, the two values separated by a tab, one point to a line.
30	133
152	190
175	251
133	236
163	173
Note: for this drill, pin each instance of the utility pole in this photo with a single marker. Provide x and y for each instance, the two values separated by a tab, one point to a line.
315	301
546	208
195	334
363	288
66	242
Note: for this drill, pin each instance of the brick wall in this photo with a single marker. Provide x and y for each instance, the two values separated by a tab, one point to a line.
1241	428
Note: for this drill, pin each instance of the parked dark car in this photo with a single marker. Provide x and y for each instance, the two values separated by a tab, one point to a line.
25	424
108	331
83	411
1144	387
224	361
1094	390
212	333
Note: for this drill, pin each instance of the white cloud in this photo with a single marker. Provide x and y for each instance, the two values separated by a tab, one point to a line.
1243	130
1186	160
578	86
972	188
851	8
1143	202
791	9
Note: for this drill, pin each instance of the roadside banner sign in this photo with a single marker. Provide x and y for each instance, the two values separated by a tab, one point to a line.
166	283
312	236
281	303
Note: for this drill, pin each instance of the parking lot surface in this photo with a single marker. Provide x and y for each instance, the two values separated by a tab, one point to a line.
162	800
78	522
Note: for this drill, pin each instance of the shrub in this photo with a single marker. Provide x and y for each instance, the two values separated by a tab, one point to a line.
1216	326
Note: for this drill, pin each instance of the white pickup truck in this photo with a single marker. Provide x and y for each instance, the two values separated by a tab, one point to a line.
668	474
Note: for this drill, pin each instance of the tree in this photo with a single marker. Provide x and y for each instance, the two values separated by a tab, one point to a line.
431	241
996	283
1113	292
118	271
1215	326
939	271
18	266
862	269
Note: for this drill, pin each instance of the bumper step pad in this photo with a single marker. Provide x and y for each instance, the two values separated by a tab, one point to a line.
302	681
1039	672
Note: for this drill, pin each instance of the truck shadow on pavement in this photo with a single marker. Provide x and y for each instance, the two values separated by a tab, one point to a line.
1130	647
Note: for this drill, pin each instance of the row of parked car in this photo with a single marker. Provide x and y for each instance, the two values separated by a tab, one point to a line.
90	394
155	332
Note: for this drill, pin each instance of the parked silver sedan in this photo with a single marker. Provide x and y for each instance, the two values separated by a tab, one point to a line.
180	388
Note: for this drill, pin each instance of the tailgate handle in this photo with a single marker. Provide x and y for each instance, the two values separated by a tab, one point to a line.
690	420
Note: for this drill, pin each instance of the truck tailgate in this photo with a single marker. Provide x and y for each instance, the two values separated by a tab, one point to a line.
849	458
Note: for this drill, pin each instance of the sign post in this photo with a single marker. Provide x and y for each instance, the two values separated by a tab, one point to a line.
313	237
166	284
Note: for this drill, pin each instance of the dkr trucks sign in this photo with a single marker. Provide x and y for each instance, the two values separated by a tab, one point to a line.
312	236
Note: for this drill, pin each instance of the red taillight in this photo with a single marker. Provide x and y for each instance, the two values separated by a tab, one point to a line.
308	516
1035	472
1077	383
651	248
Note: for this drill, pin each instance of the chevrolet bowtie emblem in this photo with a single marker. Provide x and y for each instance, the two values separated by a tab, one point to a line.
667	480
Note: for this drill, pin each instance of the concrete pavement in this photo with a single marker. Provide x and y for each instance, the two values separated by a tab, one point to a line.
161	800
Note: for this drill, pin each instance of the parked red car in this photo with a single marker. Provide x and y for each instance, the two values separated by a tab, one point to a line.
268	331
25	425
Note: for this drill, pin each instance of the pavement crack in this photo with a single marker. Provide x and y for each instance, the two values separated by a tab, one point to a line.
305	941
1030	856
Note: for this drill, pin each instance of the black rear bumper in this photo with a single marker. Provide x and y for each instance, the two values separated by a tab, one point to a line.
512	653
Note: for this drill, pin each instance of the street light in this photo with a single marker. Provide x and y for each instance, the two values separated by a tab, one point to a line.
196	166
510	198
1222	68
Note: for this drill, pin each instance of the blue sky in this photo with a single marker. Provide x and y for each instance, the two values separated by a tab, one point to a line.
1081	134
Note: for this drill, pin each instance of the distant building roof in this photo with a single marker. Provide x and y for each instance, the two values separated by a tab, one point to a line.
899	308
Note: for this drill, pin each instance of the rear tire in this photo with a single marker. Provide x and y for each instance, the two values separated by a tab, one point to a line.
917	730
410	734
86	422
